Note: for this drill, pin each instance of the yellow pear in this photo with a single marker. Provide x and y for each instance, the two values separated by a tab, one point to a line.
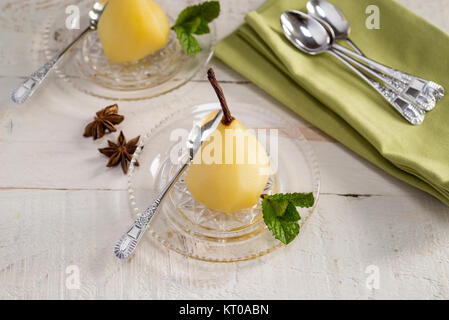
130	30
231	169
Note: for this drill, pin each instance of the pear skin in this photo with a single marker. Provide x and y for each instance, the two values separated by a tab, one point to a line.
130	30
230	171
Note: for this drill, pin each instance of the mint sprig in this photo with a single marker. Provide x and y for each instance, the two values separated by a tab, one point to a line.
281	216
195	20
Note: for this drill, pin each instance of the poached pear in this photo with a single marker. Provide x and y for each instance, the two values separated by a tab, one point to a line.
231	169
129	30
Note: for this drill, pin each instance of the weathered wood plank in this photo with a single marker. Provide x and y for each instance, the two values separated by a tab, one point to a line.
44	232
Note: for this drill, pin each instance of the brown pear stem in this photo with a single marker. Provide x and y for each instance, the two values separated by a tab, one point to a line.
227	117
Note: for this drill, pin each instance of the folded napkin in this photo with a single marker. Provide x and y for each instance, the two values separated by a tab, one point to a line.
328	95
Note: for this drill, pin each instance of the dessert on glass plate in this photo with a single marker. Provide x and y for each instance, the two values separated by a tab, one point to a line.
126	49
143	48
247	188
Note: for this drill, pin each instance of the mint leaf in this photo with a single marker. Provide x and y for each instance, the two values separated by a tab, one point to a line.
303	200
281	216
203	28
291	214
279	206
207	11
210	10
188	43
188	14
284	225
289	231
192	25
195	20
269	213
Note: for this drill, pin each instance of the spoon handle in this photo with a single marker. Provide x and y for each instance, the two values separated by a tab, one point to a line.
27	88
420	100
354	46
415	84
126	245
405	108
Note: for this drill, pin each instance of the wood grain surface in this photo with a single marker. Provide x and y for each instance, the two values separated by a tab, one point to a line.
59	206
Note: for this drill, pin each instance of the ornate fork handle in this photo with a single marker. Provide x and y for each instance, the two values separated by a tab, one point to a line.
128	242
27	88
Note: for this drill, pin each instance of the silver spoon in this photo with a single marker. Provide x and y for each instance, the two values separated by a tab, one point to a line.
327	12
27	88
419	99
128	242
310	36
426	93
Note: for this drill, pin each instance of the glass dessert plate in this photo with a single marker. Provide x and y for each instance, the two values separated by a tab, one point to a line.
184	225
87	68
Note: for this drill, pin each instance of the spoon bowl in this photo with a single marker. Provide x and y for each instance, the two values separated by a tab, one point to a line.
312	37
330	14
305	33
95	13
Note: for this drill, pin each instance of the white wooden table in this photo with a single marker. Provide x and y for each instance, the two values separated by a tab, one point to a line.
61	210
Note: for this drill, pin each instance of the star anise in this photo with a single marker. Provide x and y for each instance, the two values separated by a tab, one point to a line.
105	120
121	152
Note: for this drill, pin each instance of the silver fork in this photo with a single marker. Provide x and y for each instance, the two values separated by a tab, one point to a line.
27	88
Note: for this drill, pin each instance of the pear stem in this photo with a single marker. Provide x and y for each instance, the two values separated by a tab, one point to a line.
227	117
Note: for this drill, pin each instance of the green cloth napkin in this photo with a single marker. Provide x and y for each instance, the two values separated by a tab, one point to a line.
327	94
